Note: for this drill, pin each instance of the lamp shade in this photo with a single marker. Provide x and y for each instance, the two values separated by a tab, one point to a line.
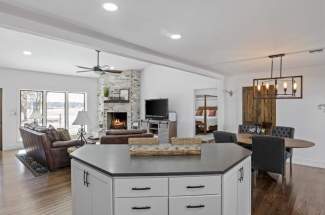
82	118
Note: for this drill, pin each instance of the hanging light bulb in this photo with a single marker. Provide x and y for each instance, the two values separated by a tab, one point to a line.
259	87
295	87
267	86
285	87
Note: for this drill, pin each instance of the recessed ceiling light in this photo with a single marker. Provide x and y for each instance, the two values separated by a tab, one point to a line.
111	7
175	36
27	53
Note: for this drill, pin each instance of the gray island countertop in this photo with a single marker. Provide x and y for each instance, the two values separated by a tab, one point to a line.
115	160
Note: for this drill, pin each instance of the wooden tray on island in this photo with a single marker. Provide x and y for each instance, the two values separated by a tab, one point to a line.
164	150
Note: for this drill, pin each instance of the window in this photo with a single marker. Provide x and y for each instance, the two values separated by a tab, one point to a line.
59	109
31	107
76	104
55	109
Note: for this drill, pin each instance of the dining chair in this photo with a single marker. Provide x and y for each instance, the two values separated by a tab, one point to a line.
269	155
224	137
248	128
285	132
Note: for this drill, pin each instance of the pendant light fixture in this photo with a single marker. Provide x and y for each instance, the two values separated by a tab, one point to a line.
279	87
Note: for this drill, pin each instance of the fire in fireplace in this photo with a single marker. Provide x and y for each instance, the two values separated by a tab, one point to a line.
117	120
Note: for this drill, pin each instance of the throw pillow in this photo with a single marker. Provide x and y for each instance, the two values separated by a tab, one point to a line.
64	134
52	134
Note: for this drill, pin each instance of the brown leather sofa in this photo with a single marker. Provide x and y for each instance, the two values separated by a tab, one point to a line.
39	147
122	136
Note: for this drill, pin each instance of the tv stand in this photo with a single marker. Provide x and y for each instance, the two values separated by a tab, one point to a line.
163	129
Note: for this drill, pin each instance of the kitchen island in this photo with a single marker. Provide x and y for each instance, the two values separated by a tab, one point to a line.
106	180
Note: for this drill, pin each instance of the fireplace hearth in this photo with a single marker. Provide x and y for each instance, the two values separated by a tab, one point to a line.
117	120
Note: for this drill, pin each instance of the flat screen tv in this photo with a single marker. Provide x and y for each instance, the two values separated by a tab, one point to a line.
157	109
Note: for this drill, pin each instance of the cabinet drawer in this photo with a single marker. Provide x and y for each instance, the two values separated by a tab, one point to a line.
200	185
141	206
195	205
140	187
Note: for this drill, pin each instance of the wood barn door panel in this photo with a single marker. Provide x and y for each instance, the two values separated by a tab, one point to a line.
258	110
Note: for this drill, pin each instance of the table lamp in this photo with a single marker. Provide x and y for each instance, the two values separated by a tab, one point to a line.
82	119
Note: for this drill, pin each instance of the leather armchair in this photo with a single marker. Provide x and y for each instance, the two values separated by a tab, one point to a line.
39	147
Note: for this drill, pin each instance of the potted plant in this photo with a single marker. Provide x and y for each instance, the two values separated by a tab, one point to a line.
106	92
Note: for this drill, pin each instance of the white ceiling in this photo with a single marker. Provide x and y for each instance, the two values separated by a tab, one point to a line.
214	31
54	56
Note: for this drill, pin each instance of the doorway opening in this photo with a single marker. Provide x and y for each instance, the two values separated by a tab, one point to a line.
1	146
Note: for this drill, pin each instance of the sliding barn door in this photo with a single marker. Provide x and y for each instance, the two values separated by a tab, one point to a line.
258	110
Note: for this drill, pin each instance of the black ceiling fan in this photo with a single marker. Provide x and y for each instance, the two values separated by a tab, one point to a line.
98	68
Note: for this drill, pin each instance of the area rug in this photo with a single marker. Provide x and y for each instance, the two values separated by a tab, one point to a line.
36	168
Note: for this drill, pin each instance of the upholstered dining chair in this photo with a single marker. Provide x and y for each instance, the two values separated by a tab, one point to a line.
269	155
282	131
248	128
285	132
224	137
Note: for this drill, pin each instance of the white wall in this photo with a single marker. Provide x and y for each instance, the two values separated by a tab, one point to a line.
178	86
301	114
11	81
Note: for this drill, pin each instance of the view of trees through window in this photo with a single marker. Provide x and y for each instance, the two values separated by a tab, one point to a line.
31	107
60	109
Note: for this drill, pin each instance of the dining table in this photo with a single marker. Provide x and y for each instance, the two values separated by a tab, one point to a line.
290	143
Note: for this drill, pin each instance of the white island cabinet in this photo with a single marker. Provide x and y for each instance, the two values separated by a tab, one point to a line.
91	191
98	190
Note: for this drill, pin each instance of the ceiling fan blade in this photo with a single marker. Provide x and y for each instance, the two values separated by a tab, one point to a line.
83	67
105	66
90	70
113	71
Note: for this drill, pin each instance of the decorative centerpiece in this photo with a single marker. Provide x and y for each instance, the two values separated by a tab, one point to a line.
164	150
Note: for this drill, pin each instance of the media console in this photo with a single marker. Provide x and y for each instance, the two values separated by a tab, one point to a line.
163	129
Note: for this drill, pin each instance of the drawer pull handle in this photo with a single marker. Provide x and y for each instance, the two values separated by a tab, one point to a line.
141	188
141	208
195	187
195	206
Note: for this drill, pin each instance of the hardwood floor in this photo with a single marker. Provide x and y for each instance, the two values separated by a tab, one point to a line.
303	194
22	193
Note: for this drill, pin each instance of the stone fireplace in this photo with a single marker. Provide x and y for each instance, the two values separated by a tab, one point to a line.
131	80
117	120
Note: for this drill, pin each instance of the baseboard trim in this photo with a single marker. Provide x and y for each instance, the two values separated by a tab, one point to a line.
309	162
15	146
